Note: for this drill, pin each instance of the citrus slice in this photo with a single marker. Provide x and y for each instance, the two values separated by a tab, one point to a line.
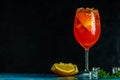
76	70
86	17
64	69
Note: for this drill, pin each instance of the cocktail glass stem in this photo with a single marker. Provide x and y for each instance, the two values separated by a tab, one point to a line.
86	60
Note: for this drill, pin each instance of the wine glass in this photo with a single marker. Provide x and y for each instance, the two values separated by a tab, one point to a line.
87	30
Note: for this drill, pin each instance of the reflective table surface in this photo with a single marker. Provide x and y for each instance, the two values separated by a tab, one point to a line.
13	76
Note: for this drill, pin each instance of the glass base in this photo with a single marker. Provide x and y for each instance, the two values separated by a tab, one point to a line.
84	75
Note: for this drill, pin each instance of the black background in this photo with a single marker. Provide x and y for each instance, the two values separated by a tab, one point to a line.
36	34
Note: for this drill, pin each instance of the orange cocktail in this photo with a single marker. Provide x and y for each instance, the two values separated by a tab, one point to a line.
87	30
87	27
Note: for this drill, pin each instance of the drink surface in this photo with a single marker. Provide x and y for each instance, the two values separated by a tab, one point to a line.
87	27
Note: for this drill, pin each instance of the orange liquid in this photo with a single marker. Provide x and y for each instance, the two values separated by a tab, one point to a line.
87	33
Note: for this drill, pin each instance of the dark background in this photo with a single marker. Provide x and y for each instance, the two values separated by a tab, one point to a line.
36	34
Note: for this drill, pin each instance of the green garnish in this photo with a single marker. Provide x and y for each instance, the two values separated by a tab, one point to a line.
116	75
104	74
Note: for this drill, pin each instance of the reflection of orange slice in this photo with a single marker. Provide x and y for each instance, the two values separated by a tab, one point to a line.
86	17
67	78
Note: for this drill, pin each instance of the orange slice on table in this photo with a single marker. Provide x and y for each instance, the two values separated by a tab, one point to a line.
64	69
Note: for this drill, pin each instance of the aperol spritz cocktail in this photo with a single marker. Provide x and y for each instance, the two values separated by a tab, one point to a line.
87	29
